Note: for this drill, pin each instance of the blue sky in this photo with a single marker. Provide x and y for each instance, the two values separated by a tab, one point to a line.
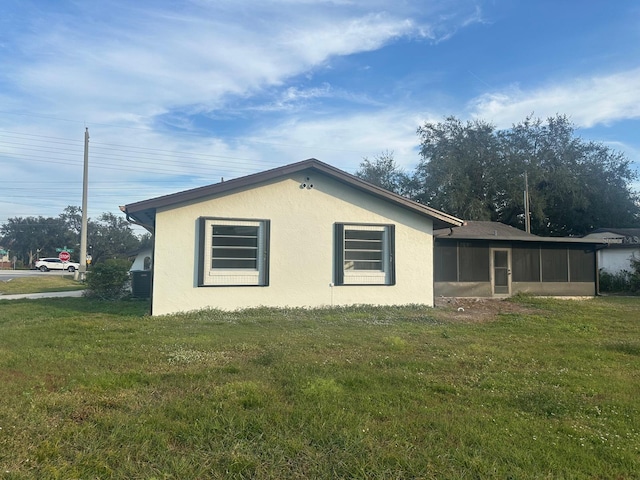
179	94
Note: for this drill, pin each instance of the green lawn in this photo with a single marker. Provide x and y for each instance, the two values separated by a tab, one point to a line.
546	389
40	283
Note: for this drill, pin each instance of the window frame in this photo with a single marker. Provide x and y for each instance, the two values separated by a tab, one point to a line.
208	276
384	276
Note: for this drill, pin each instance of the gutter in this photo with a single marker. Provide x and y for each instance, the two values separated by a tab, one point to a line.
147	227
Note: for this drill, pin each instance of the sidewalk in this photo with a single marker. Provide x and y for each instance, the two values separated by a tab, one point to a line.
72	293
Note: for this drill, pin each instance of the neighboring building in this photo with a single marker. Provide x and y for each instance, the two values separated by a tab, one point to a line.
623	244
142	260
490	259
302	235
140	272
4	258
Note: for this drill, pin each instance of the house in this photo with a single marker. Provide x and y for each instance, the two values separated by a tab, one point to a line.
140	272
4	258
623	244
141	260
302	235
490	259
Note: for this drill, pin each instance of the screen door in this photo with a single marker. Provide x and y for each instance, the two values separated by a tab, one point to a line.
501	270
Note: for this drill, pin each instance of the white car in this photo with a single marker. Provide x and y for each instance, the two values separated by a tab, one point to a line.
46	264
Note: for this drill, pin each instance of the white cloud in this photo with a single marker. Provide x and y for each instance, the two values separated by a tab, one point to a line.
343	140
164	60
588	102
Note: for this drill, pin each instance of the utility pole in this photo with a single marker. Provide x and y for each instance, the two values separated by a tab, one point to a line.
83	232
527	215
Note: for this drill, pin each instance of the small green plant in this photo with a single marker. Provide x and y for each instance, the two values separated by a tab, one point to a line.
615	282
624	281
108	280
634	277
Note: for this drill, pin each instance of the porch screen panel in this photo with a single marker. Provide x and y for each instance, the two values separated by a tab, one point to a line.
555	266
474	262
582	265
445	255
525	264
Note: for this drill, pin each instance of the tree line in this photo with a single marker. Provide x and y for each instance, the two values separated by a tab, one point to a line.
469	169
474	171
109	236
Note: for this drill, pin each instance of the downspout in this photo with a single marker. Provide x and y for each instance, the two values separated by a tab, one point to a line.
596	249
433	267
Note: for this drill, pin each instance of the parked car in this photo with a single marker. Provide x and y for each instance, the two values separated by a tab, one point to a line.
46	264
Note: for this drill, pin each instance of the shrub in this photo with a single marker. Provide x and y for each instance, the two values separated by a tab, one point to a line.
623	281
108	280
634	277
615	282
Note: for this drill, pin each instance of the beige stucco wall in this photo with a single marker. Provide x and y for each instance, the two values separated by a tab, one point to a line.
301	248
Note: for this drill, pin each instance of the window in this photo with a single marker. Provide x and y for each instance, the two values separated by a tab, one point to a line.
234	252
364	254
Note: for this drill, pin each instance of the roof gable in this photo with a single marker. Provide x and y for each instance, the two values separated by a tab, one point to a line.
143	212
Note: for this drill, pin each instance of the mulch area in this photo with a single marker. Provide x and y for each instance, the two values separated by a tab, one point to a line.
476	310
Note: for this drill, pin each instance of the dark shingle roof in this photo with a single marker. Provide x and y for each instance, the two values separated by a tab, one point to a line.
496	231
625	232
484	231
627	236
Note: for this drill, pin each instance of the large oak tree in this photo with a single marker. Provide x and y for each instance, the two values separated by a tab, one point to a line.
476	172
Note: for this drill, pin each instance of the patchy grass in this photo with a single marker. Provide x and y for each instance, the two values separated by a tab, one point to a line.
39	284
541	389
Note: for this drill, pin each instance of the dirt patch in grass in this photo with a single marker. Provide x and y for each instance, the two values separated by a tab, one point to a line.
476	310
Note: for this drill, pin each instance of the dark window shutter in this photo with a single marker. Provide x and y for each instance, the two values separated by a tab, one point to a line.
267	237
203	242
392	255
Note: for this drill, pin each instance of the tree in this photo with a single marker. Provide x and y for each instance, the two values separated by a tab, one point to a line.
575	186
110	236
458	168
28	237
384	172
475	172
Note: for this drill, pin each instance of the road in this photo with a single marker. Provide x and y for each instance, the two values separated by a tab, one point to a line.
6	275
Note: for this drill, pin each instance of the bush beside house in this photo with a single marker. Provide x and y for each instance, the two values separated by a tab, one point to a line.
109	280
